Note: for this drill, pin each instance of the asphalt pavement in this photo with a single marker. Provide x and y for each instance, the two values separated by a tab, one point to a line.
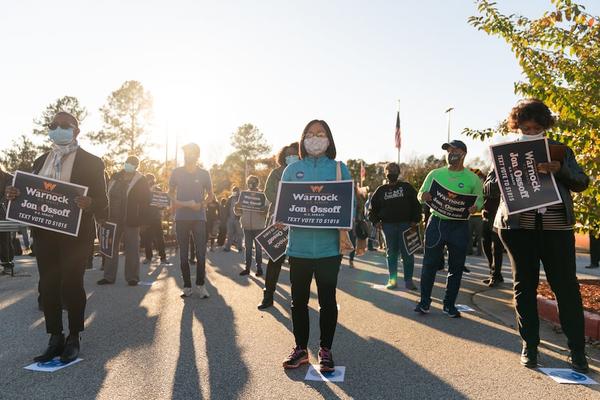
146	342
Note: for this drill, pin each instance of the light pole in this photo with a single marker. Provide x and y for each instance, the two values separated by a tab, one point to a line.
449	111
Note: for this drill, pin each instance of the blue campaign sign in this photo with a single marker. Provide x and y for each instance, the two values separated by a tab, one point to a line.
523	187
274	241
106	236
326	204
46	203
160	200
448	203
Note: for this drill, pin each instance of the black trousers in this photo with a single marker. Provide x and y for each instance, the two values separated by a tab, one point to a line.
153	235
556	250
594	250
7	252
326	272
61	262
492	248
273	270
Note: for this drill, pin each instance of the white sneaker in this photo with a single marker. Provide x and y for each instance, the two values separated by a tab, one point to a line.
203	292
187	292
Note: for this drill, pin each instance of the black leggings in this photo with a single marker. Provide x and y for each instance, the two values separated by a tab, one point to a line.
325	271
556	250
492	248
273	270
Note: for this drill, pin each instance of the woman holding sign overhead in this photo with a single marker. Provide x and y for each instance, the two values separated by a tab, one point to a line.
544	234
314	251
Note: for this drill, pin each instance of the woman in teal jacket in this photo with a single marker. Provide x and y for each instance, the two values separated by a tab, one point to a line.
314	251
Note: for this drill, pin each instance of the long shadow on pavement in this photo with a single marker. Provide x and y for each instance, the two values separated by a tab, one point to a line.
217	321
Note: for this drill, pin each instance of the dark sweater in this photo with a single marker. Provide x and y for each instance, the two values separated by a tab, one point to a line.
137	199
395	202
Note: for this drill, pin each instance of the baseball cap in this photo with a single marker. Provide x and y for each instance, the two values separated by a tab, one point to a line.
455	143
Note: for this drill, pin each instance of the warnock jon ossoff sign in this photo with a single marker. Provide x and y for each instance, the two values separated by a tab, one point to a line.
448	203
315	204
46	203
523	187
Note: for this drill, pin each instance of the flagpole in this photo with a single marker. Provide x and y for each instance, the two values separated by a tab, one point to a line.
400	131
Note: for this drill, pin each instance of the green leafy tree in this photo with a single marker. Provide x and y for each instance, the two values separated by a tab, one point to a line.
559	54
126	117
374	174
20	156
415	170
69	104
250	144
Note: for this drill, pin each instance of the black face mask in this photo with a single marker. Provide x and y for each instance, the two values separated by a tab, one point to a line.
253	186
453	159
392	177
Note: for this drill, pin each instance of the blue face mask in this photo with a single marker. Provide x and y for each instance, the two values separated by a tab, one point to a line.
129	168
291	159
61	136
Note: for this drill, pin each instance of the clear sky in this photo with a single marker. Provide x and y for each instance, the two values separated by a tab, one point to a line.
214	65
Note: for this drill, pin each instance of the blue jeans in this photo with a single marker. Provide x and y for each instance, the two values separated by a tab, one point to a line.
395	247
454	235
197	229
249	238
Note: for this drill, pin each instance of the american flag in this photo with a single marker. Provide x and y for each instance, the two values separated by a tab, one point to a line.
398	132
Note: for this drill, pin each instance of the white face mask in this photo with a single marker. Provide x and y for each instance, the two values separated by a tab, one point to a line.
315	146
524	138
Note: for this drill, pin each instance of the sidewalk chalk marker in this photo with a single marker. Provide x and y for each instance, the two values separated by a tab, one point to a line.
314	374
51	366
464	308
565	375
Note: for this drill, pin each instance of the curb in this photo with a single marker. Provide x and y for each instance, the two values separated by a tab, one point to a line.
548	311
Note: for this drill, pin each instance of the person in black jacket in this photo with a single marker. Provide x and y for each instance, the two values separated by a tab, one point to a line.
129	199
492	245
545	234
61	258
395	207
152	233
7	252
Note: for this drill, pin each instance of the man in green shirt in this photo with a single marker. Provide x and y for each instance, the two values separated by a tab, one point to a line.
445	231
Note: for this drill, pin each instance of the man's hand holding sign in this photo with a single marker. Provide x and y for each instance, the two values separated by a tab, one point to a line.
47	203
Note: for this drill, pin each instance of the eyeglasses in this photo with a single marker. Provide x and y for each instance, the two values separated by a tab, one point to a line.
318	134
53	125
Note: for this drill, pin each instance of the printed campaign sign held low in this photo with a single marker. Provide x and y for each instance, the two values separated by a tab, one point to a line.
106	237
274	241
252	201
46	203
412	240
315	204
448	203
523	187
160	200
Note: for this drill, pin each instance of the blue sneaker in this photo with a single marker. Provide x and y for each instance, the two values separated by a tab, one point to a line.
421	309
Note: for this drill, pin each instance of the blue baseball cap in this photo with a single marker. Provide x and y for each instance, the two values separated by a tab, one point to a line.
455	143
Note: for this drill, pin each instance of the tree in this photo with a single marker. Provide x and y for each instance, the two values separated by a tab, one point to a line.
20	156
559	54
374	175
249	143
69	104
415	170
126	116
